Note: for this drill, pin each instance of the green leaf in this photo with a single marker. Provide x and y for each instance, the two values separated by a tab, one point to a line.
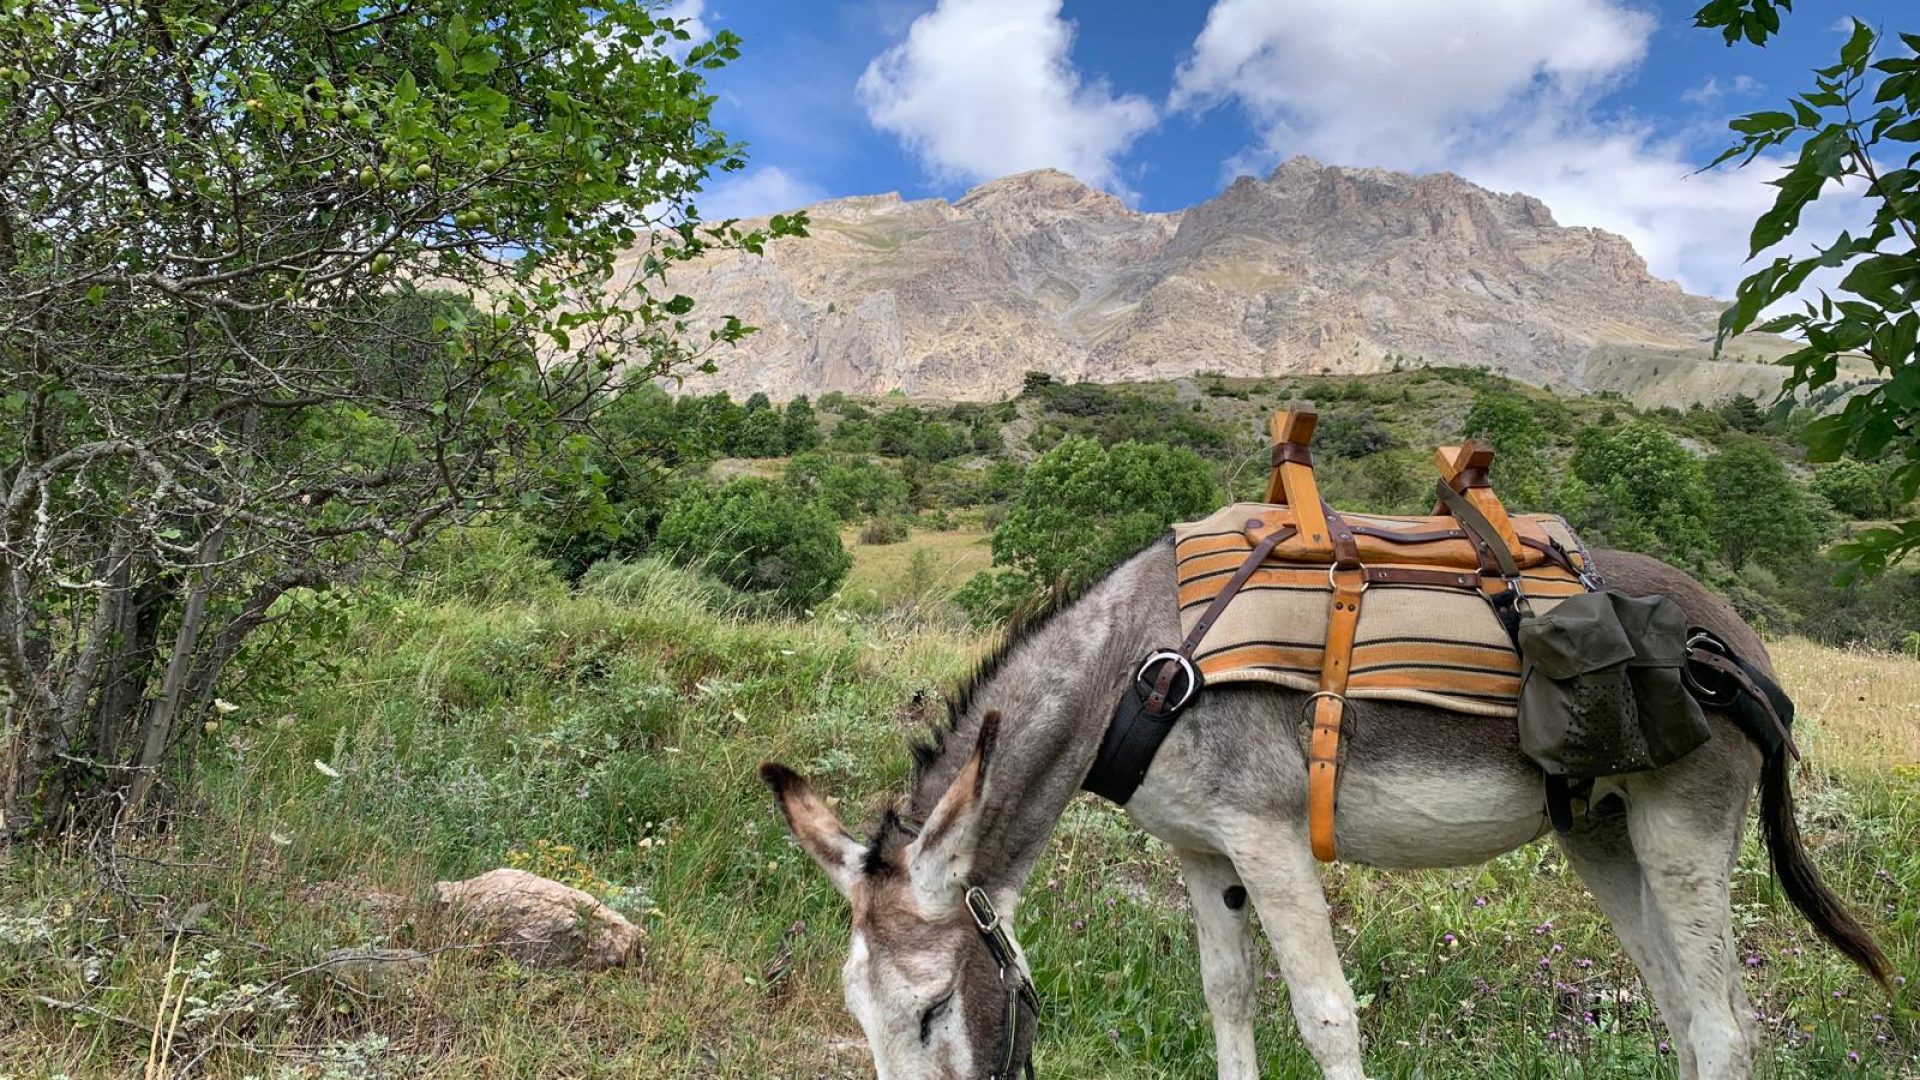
1884	279
1761	122
1854	53
1826	438
480	62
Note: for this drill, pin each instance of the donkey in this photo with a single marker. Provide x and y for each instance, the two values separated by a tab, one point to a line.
941	988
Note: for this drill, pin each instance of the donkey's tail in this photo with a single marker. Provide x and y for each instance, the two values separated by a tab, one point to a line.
1802	881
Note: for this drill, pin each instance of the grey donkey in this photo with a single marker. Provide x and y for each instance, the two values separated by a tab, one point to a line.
1419	788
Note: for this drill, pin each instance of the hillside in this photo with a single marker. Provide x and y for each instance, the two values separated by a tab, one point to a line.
1314	269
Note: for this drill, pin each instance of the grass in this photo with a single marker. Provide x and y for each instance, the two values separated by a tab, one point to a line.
930	564
625	721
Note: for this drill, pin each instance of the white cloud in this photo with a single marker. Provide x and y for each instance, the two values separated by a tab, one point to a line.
768	189
1399	81
983	88
1713	89
1500	92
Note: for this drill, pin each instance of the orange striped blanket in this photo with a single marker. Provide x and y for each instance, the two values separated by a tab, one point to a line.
1425	643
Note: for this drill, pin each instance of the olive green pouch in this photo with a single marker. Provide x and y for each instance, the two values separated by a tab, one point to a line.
1601	689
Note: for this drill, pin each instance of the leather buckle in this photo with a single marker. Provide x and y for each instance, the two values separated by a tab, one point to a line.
1186	667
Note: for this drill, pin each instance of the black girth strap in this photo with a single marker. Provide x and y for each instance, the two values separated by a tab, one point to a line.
1161	687
1718	677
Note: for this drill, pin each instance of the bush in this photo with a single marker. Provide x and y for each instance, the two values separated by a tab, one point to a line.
883	530
1855	488
759	536
1083	510
852	487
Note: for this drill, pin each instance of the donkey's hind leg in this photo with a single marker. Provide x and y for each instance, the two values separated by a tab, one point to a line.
1601	853
1275	861
1684	822
1226	959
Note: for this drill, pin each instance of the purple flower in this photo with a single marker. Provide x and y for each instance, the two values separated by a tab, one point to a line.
1853	1056
1479	901
1448	939
1583	963
1663	1047
1114	1034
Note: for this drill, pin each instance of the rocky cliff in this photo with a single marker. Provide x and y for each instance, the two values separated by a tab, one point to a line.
1313	269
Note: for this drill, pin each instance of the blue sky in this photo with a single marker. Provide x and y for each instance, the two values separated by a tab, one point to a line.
1603	108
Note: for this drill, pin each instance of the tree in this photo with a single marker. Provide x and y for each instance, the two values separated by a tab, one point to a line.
760	536
1862	114
1640	489
799	427
1759	510
220	381
1083	509
1509	422
760	433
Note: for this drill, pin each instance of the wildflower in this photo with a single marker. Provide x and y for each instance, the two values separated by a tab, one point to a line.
1853	1056
1449	940
1583	963
1113	1034
326	770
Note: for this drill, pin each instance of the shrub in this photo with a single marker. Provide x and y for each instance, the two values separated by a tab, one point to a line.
1855	488
852	487
759	536
1083	510
883	530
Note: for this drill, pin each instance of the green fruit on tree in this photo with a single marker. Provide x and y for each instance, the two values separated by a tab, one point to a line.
423	171
368	177
349	110
381	262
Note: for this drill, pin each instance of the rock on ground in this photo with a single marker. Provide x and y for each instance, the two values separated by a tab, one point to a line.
541	922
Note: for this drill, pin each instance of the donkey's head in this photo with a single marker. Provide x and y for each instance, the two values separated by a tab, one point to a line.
933	978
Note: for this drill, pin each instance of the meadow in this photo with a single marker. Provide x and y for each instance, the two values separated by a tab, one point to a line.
607	736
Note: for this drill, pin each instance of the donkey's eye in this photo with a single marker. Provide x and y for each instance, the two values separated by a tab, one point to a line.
933	1013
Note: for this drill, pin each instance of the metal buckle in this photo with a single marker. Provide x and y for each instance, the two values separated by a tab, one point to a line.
1307	705
1186	667
985	919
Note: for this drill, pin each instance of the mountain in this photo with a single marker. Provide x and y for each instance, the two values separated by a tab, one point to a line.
1314	269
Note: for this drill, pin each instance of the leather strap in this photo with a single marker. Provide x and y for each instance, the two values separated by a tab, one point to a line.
1329	702
1298	453
1493	551
1408	575
1154	697
1164	680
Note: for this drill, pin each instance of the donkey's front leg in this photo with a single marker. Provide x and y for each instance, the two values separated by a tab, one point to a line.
1226	959
1276	862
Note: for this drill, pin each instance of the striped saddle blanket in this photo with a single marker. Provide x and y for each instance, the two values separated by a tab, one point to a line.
1426	633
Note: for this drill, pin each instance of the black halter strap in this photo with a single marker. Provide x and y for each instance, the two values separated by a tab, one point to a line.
1020	991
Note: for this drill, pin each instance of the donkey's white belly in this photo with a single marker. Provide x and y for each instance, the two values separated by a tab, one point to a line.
1407	819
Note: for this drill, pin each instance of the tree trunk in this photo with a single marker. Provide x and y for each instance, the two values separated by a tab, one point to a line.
167	707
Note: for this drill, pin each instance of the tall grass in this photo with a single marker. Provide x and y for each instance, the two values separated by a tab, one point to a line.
624	721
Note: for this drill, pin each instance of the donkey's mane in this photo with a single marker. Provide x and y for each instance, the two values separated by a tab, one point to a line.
932	745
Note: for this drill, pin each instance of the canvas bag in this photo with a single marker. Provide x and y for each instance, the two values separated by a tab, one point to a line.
1602	690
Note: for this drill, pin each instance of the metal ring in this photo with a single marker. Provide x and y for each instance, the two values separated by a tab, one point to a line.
1361	570
1186	665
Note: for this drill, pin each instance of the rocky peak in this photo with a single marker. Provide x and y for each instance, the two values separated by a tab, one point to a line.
1312	268
1040	191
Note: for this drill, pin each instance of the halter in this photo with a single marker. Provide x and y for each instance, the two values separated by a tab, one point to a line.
1020	991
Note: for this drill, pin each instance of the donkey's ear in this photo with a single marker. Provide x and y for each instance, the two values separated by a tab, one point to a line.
941	860
815	826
